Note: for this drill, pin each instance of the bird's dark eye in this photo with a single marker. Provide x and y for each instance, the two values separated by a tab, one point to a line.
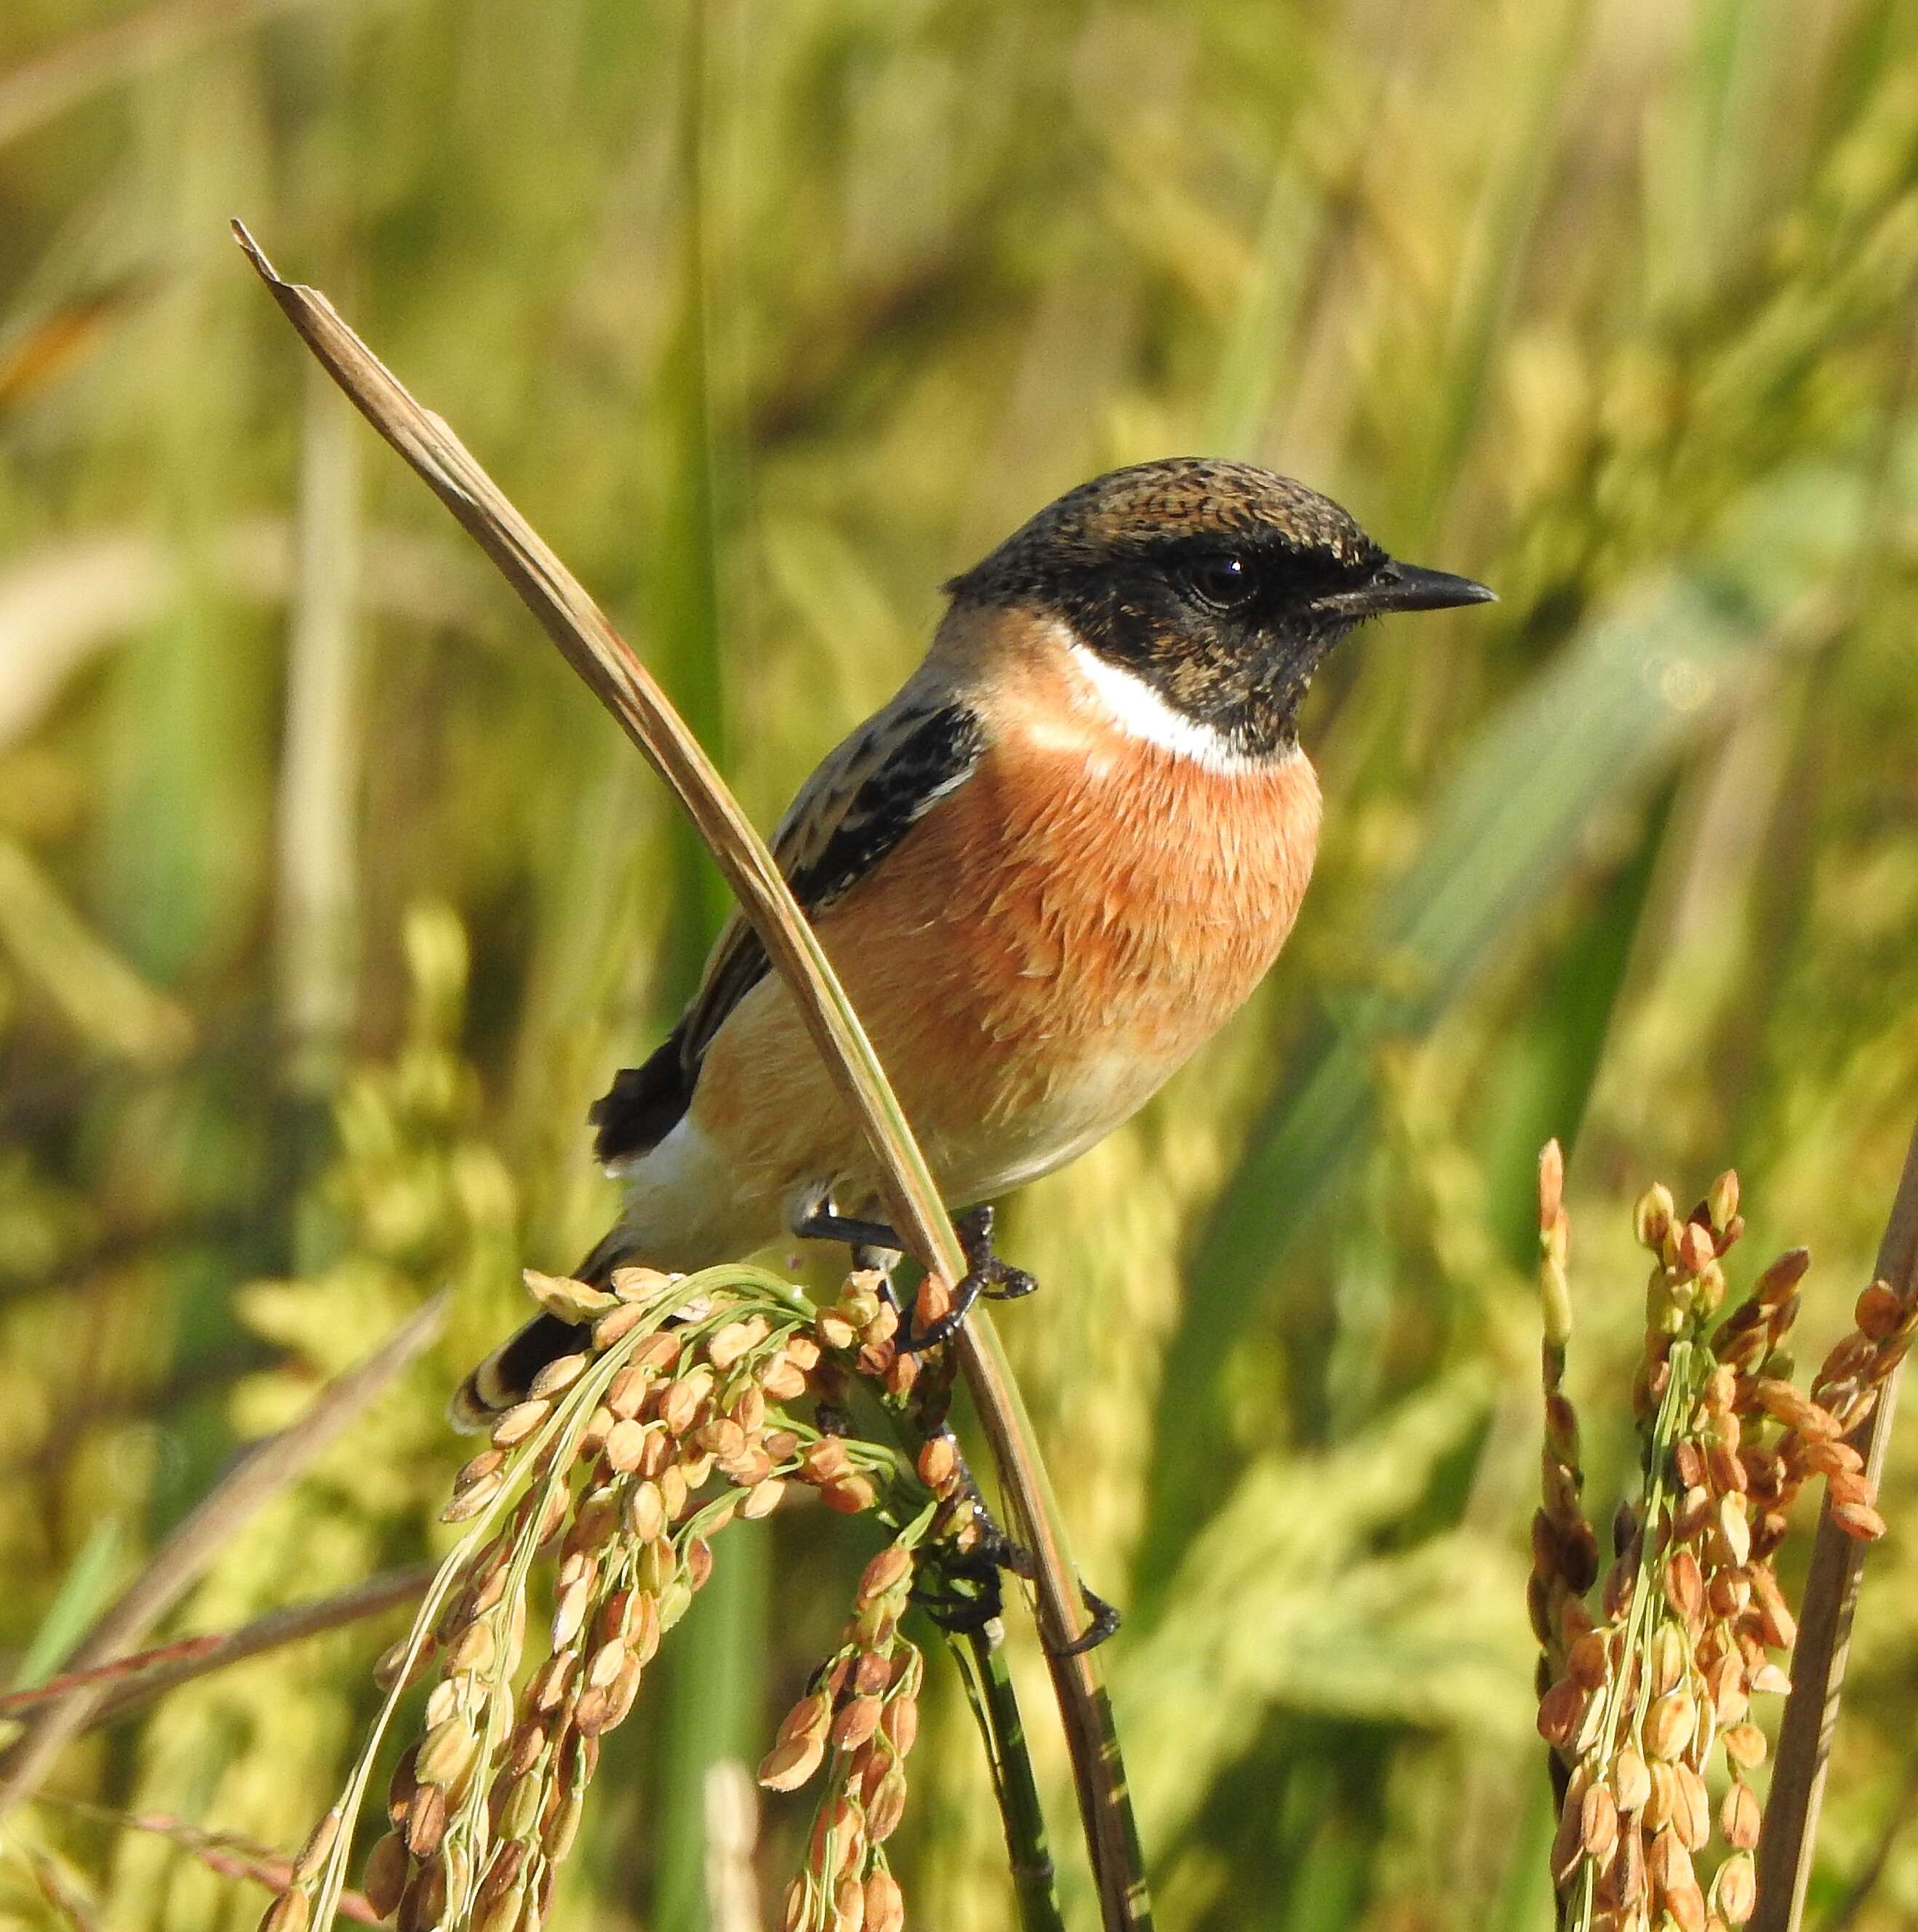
1223	582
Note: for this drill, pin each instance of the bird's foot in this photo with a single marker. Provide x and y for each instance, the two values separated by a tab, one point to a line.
821	1222
964	1610
985	1275
975	1596
1105	1620
989	1554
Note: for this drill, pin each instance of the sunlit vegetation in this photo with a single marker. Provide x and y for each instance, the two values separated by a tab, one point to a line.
328	901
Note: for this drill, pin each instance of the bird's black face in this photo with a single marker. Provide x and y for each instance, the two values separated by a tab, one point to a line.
1228	634
1221	586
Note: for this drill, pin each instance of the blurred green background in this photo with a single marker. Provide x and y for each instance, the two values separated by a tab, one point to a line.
328	901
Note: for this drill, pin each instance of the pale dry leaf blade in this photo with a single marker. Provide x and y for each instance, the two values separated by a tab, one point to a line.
590	644
603	661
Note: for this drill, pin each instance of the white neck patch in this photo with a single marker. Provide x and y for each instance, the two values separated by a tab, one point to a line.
1141	712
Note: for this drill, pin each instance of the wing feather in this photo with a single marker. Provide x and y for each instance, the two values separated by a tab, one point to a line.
863	799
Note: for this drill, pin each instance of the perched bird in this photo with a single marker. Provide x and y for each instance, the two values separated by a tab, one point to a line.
1048	870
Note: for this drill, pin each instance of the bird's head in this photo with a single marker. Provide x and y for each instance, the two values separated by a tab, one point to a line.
1219	586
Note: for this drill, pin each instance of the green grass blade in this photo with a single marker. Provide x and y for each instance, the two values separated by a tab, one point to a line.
82	1596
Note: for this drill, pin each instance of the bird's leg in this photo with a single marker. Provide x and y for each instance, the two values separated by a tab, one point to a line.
992	1553
954	1610
874	1244
985	1274
1003	1282
979	1554
821	1221
982	1567
996	1551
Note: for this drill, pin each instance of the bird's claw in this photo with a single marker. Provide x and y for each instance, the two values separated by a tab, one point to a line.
965	1615
1105	1620
985	1275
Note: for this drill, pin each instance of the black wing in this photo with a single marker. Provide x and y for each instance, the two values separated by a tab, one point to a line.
862	801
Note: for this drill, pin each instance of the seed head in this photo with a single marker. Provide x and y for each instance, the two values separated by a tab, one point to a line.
558	1376
518	1422
1598	1823
1653	1216
1631	1782
784	1381
1735	1891
639	1284
885	1905
616	1324
763	1498
385	1878
855	1724
289	1913
1879	1311
447	1752
790	1763
1859	1520
1561	1711
1670	1725
887	1572
733	1342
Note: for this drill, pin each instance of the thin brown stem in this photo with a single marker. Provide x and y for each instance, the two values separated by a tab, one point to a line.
261	1473
224	1853
607	664
134	1681
1787	1847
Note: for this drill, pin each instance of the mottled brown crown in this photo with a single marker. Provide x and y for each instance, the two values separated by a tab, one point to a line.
1179	501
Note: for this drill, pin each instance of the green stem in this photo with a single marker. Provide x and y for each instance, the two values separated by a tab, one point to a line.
995	1703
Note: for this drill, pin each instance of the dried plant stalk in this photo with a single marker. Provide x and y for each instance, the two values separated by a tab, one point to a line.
226	1854
132	1681
1647	1700
603	660
1831	1593
265	1469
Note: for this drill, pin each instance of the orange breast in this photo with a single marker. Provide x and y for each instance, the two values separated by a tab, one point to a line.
1038	954
1084	895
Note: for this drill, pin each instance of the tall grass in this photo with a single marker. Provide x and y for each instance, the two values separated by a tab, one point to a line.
773	318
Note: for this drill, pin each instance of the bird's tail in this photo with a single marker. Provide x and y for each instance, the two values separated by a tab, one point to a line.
506	1375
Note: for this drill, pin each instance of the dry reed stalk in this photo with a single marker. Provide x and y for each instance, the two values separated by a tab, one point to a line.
260	1473
226	1854
1831	1595
62	1900
136	1679
1642	1701
604	660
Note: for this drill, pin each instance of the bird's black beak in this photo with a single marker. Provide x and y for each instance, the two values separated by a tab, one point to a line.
1405	586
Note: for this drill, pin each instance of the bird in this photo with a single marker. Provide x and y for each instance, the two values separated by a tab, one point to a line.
1046	872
